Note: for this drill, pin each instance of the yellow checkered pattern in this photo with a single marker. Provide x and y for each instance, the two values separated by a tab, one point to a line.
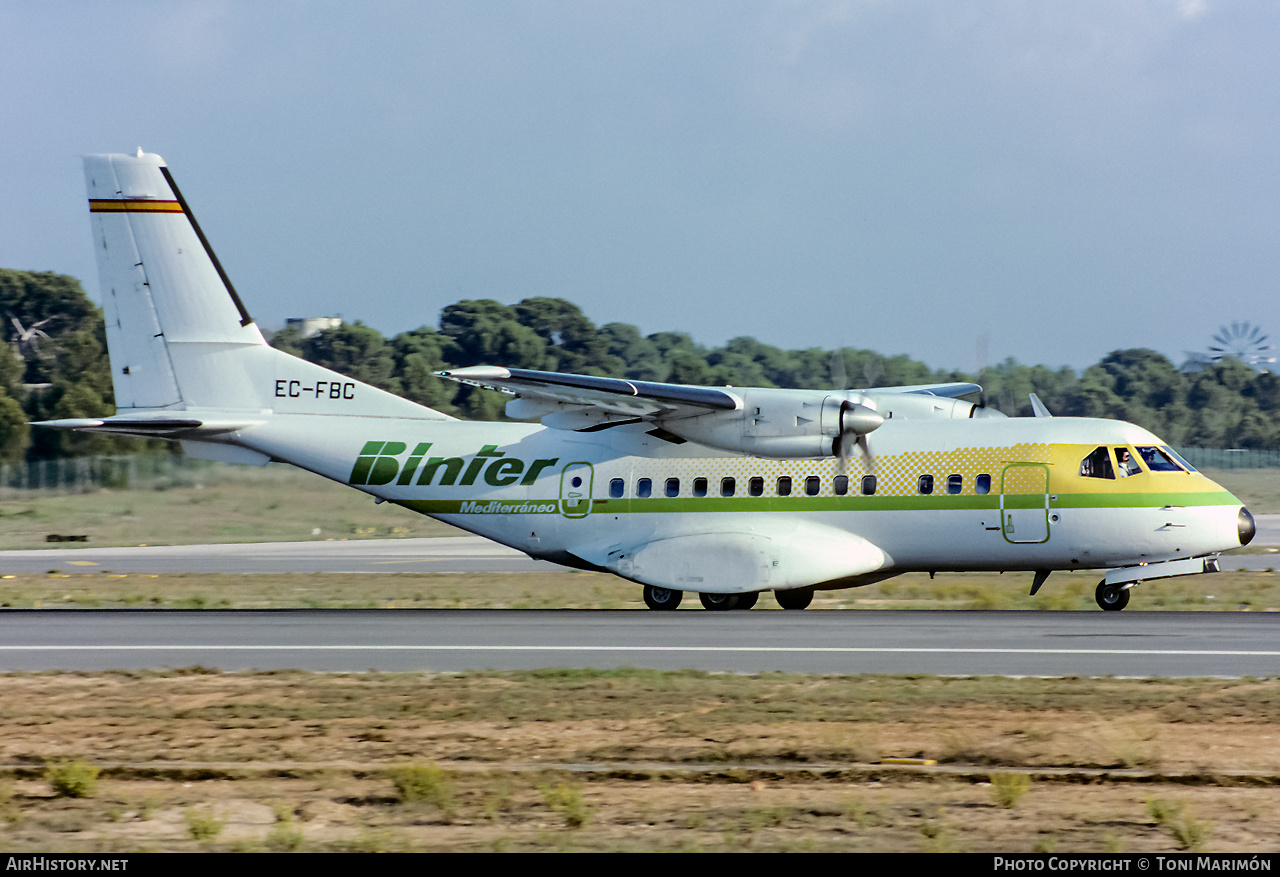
896	474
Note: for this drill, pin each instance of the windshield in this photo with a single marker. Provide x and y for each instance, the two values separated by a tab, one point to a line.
1158	460
1178	457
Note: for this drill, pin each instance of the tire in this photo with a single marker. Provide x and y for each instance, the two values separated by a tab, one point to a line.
746	601
719	602
661	599
1112	598
798	599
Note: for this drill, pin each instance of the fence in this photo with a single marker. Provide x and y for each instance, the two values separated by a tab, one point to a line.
83	474
1230	458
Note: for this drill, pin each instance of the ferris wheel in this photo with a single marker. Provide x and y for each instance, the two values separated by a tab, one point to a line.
1244	342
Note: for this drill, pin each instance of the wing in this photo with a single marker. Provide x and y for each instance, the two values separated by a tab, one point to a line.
548	393
764	421
956	390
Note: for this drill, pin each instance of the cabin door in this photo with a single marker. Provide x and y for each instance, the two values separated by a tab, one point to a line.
1024	502
575	490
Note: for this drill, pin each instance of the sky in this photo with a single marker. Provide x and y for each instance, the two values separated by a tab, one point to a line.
961	182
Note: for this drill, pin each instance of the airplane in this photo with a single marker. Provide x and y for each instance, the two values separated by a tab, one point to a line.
725	492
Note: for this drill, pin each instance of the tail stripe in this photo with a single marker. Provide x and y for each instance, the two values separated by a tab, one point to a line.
119	205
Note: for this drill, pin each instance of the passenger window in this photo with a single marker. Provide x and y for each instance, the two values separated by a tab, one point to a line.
673	487
955	484
784	485
727	487
925	484
812	485
644	488
868	485
982	484
1126	465
615	488
1097	465
840	486
755	486
699	487
1157	460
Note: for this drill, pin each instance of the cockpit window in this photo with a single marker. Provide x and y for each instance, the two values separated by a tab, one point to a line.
1178	458
1097	465
1157	460
1126	465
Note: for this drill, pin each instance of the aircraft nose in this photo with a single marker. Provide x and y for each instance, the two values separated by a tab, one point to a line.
1245	526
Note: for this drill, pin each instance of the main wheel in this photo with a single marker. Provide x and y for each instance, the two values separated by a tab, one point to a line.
661	598
798	599
719	602
746	601
1112	598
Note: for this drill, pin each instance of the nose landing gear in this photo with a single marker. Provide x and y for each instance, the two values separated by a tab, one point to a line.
1112	598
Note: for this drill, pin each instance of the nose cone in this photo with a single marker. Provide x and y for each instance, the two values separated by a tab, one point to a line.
1245	526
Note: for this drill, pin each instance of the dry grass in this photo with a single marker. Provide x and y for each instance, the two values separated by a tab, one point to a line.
636	760
1259	489
69	588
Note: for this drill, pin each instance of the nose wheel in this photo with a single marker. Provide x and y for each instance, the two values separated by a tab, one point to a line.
1112	598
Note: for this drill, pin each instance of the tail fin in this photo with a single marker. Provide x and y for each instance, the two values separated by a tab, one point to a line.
171	312
179	338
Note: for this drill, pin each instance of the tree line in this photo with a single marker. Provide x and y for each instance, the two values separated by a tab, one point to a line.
58	368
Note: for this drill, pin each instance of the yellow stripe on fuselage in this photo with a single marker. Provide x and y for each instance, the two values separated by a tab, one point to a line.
121	205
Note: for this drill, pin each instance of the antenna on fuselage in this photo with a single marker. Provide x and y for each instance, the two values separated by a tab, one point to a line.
1038	407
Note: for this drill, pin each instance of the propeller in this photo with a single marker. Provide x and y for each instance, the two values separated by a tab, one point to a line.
856	420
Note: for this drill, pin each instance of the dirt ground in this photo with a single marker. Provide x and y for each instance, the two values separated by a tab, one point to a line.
637	761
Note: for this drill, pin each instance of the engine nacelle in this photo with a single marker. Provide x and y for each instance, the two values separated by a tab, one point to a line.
791	424
782	424
922	406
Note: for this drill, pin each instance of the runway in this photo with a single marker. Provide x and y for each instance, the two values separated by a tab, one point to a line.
1147	644
1132	643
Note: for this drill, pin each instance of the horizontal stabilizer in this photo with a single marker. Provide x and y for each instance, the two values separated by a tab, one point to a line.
153	427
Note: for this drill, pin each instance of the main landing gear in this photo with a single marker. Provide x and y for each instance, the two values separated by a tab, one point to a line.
661	598
1112	598
797	599
668	598
724	602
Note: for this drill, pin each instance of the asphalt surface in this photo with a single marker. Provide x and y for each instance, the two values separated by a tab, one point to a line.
1147	644
1129	643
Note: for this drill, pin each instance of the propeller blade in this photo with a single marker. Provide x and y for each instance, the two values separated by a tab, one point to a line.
867	459
856	420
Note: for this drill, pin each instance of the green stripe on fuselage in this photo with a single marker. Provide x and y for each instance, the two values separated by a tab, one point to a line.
710	504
